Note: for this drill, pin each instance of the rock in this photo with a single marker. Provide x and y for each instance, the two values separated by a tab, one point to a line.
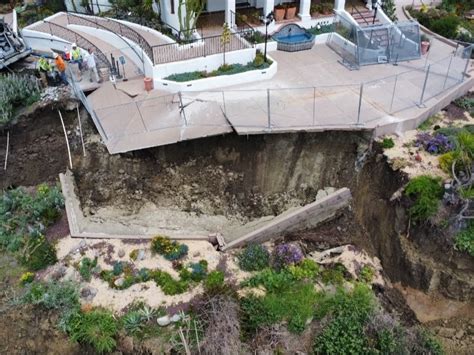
163	321
175	318
119	282
57	272
141	254
89	292
121	171
125	345
121	253
459	334
447	332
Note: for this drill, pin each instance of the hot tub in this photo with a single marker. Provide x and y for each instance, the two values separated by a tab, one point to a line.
293	38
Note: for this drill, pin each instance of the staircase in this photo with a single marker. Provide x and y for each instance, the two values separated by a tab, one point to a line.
364	17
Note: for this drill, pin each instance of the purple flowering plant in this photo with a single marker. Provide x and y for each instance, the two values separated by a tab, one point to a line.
434	144
286	254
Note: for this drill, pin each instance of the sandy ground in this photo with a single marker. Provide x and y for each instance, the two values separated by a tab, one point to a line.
71	250
415	161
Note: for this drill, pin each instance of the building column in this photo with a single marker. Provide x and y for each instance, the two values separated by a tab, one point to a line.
305	8
229	10
339	5
268	6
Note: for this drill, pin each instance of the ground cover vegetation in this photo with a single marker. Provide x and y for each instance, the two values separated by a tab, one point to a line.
454	147
447	19
344	313
16	91
24	217
227	69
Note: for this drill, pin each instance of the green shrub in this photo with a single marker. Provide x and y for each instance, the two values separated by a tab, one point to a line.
97	328
446	26
214	283
306	270
85	268
228	69
388	143
52	295
272	280
295	305
16	90
427	192
171	250
254	257
446	162
168	284
24	216
194	271
38	253
366	274
133	322
133	254
26	278
464	240
349	312
334	274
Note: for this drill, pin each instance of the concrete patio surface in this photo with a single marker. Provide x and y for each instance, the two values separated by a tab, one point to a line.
312	91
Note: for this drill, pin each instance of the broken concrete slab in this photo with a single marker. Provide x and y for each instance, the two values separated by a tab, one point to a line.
297	219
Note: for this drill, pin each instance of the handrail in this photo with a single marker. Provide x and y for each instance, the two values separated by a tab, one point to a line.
131	34
359	13
247	27
78	20
82	42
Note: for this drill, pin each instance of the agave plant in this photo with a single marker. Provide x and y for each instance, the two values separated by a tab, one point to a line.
133	322
147	313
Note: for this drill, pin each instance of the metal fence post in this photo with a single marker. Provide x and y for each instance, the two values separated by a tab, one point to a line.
468	59
393	93
361	92
314	104
268	108
447	72
424	85
223	103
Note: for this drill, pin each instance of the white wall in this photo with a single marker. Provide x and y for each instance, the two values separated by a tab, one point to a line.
218	81
209	63
166	13
215	5
117	42
43	42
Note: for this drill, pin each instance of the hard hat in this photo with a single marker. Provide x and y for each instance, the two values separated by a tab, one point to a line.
55	55
74	45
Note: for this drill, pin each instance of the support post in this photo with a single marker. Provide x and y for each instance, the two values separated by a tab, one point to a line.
229	8
7	150
314	104
468	60
80	131
393	93
447	72
268	109
305	10
361	92
424	86
67	140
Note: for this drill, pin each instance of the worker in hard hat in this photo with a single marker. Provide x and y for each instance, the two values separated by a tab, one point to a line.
44	68
60	68
76	58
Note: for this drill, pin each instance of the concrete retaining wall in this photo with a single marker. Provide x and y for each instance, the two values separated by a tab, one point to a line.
306	217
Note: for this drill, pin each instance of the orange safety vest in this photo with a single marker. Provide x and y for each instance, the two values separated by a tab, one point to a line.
60	64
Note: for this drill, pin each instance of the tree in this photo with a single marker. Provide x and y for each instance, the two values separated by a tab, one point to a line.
225	38
187	22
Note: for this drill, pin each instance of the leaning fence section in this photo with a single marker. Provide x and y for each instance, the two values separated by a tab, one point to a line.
171	118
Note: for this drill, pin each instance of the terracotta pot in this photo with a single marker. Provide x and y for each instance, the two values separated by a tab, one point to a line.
290	12
148	84
425	46
279	14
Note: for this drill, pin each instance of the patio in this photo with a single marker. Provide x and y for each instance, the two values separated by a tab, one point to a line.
311	92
